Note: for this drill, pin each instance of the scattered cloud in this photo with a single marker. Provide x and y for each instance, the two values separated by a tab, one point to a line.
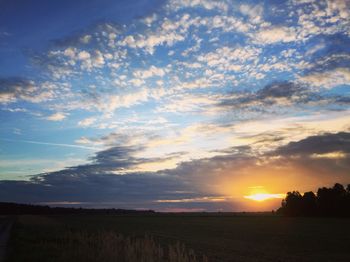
328	79
275	35
254	13
13	89
59	116
87	122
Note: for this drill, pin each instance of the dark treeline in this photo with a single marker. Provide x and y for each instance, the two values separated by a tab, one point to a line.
333	201
25	209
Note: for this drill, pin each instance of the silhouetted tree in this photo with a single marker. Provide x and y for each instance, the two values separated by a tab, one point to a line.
339	199
21	209
331	200
292	205
334	201
347	201
309	204
324	200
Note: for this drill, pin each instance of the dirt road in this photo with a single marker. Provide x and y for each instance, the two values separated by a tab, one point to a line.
5	228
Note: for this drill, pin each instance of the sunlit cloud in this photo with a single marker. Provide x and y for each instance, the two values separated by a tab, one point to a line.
332	155
264	196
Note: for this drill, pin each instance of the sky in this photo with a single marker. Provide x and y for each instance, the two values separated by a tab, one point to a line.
179	105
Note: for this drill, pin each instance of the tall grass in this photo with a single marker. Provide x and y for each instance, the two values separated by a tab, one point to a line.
106	246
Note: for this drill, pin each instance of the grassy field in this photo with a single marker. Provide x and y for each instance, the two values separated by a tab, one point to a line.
219	238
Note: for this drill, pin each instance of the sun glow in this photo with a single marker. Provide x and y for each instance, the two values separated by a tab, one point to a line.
264	196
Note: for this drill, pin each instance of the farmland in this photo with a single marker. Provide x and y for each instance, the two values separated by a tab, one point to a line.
220	237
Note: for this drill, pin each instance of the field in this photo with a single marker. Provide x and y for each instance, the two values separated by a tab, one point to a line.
219	237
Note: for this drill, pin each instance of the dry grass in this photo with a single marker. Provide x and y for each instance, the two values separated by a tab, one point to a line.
107	246
221	238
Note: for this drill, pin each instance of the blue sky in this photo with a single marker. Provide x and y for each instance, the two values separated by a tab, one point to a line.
172	105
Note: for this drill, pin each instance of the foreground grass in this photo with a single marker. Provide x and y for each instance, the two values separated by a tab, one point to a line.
109	247
39	238
221	238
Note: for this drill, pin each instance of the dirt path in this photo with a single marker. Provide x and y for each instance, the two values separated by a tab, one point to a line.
5	229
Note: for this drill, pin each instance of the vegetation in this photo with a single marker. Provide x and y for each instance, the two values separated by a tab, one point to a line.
108	246
220	237
26	209
333	201
121	235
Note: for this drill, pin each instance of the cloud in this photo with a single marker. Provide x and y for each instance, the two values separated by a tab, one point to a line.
14	89
229	58
134	190
277	93
328	79
195	96
280	89
274	35
326	156
51	144
325	17
152	71
209	5
87	122
214	183
188	103
340	7
277	97
163	36
318	144
82	55
59	116
254	13
329	66
108	49
315	49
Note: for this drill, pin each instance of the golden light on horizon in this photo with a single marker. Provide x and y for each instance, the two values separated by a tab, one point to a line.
259	197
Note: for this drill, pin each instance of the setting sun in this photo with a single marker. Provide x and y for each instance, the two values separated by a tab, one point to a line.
263	196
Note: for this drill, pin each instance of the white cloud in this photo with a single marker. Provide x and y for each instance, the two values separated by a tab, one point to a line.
168	33
175	5
225	23
229	58
70	52
314	49
14	90
84	55
275	34
136	82
149	19
87	122
187	103
149	42
125	100
322	17
56	116
98	60
253	12
341	7
328	79
150	72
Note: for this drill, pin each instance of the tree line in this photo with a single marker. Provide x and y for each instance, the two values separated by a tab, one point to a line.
27	209
333	201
